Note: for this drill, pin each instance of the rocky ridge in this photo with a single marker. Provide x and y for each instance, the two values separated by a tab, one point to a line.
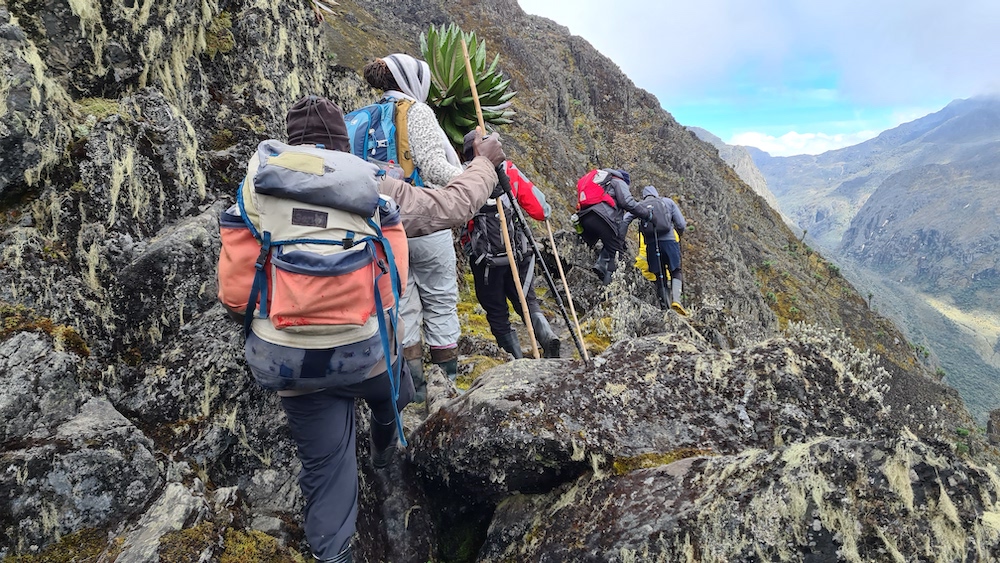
132	431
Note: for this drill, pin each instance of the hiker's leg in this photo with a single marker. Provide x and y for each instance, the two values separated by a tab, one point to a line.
615	244
490	287
410	310
377	392
322	425
437	282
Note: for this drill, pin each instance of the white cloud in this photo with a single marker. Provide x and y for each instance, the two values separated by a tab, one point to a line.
793	143
886	52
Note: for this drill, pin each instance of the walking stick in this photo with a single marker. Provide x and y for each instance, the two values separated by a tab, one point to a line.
522	224
569	297
501	174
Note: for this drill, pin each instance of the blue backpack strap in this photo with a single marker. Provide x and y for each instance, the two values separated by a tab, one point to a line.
395	372
243	211
259	288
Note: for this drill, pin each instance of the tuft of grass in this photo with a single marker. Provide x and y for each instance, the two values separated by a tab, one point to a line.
99	107
187	544
479	365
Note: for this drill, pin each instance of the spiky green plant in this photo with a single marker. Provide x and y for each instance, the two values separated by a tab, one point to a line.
450	93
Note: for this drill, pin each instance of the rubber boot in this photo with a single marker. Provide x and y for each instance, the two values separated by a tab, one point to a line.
450	368
510	343
546	338
663	293
414	356
382	457
600	266
342	557
675	304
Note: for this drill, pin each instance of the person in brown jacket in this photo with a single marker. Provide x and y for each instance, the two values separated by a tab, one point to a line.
322	421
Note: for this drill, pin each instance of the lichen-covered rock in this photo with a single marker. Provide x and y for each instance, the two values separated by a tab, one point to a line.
829	499
92	471
551	420
176	509
38	388
124	128
32	129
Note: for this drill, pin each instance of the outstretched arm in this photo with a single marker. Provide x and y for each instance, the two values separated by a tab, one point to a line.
426	211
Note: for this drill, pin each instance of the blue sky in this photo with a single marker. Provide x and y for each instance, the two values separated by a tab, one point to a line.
794	76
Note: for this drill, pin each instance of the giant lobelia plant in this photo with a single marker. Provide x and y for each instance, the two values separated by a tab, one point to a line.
450	93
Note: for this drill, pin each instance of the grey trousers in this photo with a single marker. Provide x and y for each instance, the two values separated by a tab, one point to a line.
323	427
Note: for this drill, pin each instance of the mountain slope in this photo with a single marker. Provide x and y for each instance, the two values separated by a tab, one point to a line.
131	430
917	206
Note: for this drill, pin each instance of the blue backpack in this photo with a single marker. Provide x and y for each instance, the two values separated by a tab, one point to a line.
378	134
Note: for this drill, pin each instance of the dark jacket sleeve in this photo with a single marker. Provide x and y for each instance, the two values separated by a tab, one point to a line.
675	216
624	200
425	210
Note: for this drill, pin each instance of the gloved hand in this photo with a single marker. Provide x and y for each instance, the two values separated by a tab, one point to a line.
490	147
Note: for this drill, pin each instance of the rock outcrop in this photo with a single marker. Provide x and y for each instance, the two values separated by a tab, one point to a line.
133	432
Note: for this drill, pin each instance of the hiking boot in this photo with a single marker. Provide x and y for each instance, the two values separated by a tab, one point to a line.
510	344
675	303
600	267
551	348
419	383
450	368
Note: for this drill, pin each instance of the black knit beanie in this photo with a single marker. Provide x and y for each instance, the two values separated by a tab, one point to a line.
314	120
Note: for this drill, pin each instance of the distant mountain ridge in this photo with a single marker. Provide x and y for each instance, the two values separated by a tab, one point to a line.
739	159
916	206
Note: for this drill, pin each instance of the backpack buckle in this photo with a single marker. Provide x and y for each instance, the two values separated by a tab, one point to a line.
382	143
348	241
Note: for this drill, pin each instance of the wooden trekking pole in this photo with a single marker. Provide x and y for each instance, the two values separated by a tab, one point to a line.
526	316
569	297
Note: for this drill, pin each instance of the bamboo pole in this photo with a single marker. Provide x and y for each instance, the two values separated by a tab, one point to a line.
526	316
569	296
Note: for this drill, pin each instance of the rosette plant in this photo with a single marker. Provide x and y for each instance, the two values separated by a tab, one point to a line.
450	92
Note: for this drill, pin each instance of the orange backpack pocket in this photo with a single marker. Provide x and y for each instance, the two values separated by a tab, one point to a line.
239	253
396	237
309	288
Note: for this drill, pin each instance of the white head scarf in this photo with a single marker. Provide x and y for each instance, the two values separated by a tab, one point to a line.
413	76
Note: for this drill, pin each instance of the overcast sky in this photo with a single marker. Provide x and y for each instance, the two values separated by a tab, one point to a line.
794	76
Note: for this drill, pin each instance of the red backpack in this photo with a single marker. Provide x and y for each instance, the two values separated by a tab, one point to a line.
592	189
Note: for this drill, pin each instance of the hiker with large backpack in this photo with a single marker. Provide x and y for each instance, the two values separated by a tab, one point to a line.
317	243
492	275
603	198
663	249
430	304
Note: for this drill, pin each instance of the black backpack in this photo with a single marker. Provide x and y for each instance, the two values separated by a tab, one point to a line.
661	223
483	241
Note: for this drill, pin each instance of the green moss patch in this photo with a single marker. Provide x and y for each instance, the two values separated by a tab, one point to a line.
219	38
85	546
241	547
18	318
624	465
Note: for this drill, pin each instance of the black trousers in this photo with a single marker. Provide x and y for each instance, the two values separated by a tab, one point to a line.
495	287
596	227
322	425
